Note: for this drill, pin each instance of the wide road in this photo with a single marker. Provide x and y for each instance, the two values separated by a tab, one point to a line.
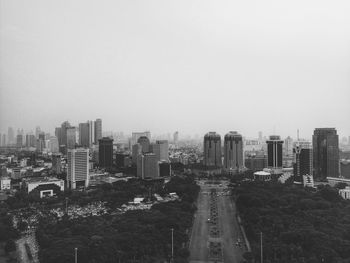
227	224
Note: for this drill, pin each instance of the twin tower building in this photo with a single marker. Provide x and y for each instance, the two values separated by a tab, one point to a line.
233	151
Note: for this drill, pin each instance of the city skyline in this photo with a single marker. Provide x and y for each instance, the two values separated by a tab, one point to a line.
164	67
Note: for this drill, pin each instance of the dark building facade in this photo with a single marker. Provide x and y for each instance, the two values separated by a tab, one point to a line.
105	152
303	160
233	151
325	143
255	162
274	152
120	159
212	149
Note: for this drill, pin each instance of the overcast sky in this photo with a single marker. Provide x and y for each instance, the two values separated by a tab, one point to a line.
192	66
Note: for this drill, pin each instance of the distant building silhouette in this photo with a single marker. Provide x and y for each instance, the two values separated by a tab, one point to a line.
84	134
98	130
147	166
233	151
145	143
105	152
303	160
326	153
212	149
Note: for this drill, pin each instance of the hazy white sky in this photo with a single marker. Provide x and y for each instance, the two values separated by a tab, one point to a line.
191	66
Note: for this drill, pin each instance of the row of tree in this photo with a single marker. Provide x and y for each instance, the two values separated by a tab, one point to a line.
298	225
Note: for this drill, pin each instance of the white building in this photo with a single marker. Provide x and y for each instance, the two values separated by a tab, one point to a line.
308	180
45	186
5	183
345	193
78	168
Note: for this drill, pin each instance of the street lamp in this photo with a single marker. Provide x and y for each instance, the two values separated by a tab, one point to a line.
76	255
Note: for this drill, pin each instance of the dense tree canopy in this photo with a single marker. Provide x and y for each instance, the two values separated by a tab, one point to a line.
297	225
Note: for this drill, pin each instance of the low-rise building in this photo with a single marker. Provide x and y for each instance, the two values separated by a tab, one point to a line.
44	186
5	183
345	193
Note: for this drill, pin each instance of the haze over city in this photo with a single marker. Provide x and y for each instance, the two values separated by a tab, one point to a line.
191	66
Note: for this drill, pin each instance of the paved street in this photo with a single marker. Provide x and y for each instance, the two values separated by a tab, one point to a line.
229	232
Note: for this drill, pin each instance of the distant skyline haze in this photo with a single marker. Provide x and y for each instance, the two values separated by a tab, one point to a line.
187	66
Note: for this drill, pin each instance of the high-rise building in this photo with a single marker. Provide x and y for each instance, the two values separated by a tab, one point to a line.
78	168
260	136
136	135
58	135
212	149
3	140
71	137
233	152
176	137
30	140
147	166
144	142
37	131
64	126
275	153
84	130
325	143
160	149
53	144
56	163
42	136
92	133
136	151
303	160
10	136
19	141
40	145
288	146
98	130
105	152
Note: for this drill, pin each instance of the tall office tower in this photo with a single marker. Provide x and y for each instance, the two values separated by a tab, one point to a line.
19	141
84	140
37	131
64	126
260	136
147	166
288	146
325	143
40	145
42	136
3	139
30	140
71	137
136	135
161	150
233	151
212	149
98	130
53	144
56	163
176	137
275	153
10	136
78	168
144	142
58	134
92	133
136	151
303	160
105	152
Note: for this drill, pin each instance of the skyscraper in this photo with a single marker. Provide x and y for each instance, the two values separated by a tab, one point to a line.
144	142
275	153
53	144
71	137
176	137
58	134
326	153
233	151
161	150
56	163
92	133
212	149
37	131
105	152
136	135
98	130
64	126
3	139
78	168
288	146
10	136
147	166
136	151
19	141
84	134
303	160
30	140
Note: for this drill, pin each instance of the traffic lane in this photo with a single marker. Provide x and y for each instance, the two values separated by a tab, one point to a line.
199	236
